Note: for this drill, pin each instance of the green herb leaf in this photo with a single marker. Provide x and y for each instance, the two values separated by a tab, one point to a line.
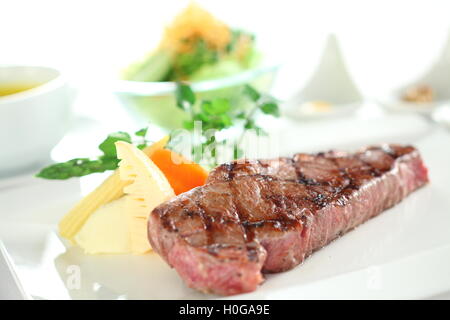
216	106
108	145
206	107
185	96
141	146
188	125
251	92
142	132
109	163
75	168
220	106
240	115
226	120
270	108
201	117
249	124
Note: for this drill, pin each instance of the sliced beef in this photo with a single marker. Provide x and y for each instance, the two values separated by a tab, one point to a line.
264	216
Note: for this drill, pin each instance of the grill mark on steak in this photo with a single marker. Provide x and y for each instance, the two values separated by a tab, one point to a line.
248	235
206	219
246	217
269	215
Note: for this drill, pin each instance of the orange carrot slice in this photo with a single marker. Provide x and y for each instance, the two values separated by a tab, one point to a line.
183	175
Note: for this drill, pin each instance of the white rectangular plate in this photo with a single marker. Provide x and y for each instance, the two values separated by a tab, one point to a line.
403	253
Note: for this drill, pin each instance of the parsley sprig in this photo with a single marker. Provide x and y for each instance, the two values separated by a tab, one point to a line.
218	114
79	167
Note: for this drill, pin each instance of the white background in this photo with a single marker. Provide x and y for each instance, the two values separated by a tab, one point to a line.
385	43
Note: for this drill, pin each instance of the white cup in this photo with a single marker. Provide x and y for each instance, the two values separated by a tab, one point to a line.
33	121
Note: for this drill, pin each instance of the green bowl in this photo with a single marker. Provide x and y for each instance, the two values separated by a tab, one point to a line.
154	102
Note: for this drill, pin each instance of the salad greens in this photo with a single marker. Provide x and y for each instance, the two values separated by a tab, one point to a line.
200	63
196	46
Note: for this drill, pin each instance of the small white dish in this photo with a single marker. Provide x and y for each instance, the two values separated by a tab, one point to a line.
437	78
330	84
32	121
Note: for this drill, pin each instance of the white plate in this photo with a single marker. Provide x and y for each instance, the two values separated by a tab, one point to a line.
403	253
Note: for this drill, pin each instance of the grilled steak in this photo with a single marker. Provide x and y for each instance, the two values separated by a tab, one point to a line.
263	216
